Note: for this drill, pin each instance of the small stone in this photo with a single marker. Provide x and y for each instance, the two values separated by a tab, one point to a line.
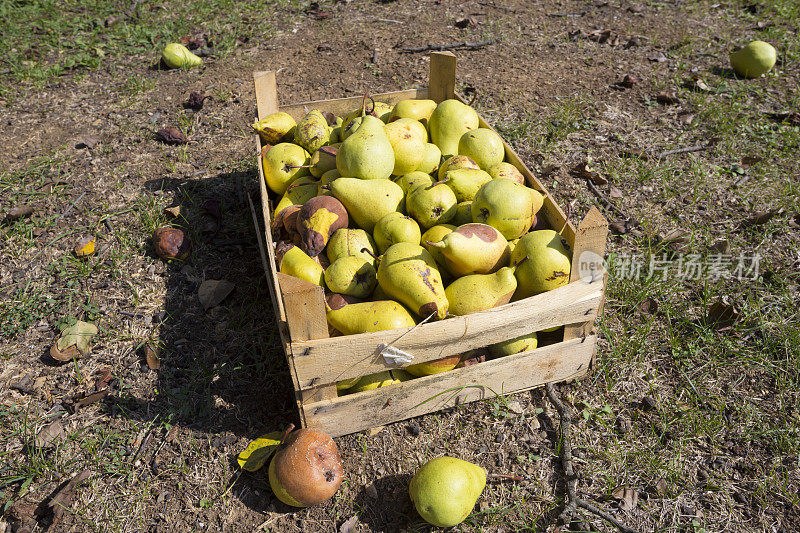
515	407
413	429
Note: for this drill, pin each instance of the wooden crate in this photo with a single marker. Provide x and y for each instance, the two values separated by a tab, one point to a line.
317	361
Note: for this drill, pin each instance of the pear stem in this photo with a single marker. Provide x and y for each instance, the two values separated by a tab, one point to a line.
286	433
436	244
368	251
435	183
499	477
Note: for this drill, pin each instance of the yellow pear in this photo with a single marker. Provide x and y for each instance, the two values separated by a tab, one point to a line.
408	273
479	292
449	121
483	146
444	490
414	109
543	260
282	164
365	317
276	127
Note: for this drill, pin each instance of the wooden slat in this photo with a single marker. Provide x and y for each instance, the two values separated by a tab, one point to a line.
342	106
355	412
266	93
442	84
349	356
588	251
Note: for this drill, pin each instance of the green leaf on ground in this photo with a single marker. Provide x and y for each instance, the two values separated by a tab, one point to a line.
257	452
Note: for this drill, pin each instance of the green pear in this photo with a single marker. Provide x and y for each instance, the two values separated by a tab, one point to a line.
414	109
436	234
312	132
381	110
753	60
393	228
543	259
537	200
365	317
465	183
367	201
348	242
457	162
510	347
431	205
299	192
412	180
323	185
352	276
407	125
293	261
463	214
335	137
473	249
409	148
283	163
449	121
381	379
506	206
511	245
431	159
506	170
345	384
483	146
367	153
276	127
175	55
479	292
444	490
349	127
437	366
408	273
323	160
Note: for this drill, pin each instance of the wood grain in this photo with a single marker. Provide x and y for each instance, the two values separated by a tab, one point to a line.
442	83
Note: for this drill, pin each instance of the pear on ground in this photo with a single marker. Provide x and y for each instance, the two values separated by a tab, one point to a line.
323	160
352	276
483	146
456	162
366	317
393	228
276	127
543	260
520	344
312	132
436	234
282	164
479	292
449	121
293	261
431	205
431	159
473	249
506	206
444	490
753	60
414	109
367	153
466	183
409	148
408	273
412	180
507	171
347	242
368	201
463	214
437	366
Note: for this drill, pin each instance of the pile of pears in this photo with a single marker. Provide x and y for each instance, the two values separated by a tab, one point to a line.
404	214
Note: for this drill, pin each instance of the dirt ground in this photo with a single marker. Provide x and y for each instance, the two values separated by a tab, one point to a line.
688	423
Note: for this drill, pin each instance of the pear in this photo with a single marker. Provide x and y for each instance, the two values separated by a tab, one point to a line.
463	214
381	379
323	186
352	276
537	201
380	294
408	273
293	261
414	109
505	205
367	201
276	127
436	234
349	127
351	242
449	121
336	135
483	146
365	317
512	346
299	192
409	148
511	245
479	292
506	170
543	260
393	228
312	132
412	180
431	159
431	205
465	183
381	110
283	163
436	366
175	55
367	153
444	490
317	220
753	60
345	384
323	160
306	468
407	125
457	162
473	249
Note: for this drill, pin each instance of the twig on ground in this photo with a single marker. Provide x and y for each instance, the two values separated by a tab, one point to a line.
608	203
501	8
451	46
565	425
70	206
686	150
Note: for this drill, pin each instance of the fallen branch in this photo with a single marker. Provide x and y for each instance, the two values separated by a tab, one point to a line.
565	424
608	203
688	149
452	46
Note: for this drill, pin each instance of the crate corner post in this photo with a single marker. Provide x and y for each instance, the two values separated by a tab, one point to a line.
266	93
442	83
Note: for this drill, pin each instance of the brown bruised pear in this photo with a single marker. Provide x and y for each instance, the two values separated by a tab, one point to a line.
171	243
312	132
473	249
317	220
306	469
276	127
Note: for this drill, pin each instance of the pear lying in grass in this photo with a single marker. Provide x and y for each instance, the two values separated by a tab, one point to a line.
543	260
276	127
306	468
479	292
444	490
753	60
175	55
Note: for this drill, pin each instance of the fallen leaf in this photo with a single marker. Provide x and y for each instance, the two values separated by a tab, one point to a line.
761	218
54	431
676	235
648	306
349	525
620	227
371	432
151	355
51	511
628	498
665	98
195	101
173	212
85	247
657	57
212	292
171	135
257	452
193	42
74	340
751	160
515	407
585	170
88	399
720	247
87	141
15	213
466	22
661	487
614	192
722	313
103	380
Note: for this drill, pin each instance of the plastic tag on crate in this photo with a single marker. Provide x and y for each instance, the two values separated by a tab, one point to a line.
394	356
